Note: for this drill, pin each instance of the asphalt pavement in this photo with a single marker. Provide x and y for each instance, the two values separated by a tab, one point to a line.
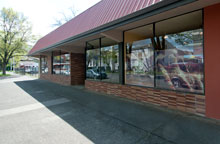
35	111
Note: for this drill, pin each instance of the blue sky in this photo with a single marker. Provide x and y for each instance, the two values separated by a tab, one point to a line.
42	13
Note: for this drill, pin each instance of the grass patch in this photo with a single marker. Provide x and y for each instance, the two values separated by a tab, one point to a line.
1	75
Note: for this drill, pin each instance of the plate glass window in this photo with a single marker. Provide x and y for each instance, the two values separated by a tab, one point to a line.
93	60
179	53
109	61
65	64
56	62
44	65
139	66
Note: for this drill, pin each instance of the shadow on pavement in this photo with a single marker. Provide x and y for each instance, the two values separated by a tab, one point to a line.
107	119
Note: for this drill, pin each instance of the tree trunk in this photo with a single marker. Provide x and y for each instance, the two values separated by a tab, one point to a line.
3	68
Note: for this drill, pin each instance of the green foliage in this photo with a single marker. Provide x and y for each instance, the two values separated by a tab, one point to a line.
187	37
15	33
1	75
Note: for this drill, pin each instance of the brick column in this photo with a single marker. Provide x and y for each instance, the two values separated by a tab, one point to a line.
77	69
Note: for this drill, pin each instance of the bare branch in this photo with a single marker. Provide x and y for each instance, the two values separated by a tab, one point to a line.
65	17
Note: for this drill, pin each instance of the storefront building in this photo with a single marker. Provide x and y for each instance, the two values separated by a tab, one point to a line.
163	52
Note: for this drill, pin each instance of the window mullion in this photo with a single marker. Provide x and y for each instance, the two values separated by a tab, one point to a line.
100	45
154	48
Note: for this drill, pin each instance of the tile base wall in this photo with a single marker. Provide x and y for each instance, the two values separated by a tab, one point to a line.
185	102
60	79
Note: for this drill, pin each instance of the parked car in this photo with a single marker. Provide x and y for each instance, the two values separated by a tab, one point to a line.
94	74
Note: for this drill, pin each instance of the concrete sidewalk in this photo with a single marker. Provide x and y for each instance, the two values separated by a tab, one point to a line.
38	111
15	77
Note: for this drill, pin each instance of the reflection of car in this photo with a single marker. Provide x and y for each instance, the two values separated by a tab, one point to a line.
66	72
185	75
94	74
61	68
46	70
178	82
184	66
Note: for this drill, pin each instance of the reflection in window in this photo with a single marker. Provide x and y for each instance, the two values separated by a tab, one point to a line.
102	61
61	63
65	64
139	56
56	63
110	64
179	55
44	65
93	64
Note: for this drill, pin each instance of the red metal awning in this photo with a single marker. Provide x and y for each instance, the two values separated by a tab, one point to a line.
102	13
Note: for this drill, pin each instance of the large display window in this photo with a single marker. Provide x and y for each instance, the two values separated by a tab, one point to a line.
110	60
93	64
65	64
61	63
93	60
179	53
167	54
102	60
139	66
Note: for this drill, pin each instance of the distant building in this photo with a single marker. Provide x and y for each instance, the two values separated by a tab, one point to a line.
29	66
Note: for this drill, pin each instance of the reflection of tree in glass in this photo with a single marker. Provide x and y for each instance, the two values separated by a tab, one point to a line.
142	53
109	57
92	58
188	37
171	62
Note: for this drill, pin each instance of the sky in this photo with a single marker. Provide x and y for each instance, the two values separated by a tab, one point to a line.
42	13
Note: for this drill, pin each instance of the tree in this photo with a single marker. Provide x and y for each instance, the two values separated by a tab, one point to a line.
15	32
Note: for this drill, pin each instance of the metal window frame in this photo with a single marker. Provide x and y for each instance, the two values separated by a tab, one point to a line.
52	63
43	59
154	32
122	53
100	54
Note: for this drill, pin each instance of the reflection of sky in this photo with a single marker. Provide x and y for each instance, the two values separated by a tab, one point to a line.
189	47
141	43
172	41
193	56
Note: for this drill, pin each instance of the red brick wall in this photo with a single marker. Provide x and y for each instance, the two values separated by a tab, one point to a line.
61	79
77	69
191	103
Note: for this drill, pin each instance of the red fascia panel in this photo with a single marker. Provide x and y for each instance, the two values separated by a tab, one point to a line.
212	59
103	12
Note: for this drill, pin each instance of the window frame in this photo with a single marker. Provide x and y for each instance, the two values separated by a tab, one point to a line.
125	56
100	60
154	34
60	61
